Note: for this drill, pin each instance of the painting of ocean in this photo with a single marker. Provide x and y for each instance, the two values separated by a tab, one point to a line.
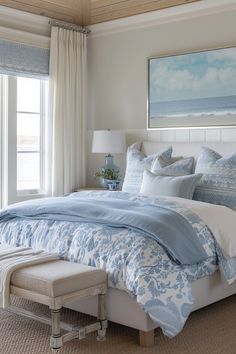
193	89
210	106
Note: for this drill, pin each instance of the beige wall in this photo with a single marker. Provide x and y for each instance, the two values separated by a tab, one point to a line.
117	76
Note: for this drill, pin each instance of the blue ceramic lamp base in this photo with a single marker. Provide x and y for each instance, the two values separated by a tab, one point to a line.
109	165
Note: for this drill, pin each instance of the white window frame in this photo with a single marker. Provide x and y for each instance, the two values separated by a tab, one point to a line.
3	107
9	143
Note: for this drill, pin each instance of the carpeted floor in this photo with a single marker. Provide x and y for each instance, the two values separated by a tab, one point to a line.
208	331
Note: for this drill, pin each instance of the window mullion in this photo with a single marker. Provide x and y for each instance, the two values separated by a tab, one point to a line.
1	135
12	139
42	134
4	140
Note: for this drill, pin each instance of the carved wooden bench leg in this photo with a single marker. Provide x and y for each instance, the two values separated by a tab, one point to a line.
146	339
56	338
102	317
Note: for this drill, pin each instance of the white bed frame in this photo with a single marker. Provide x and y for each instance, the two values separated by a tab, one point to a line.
122	308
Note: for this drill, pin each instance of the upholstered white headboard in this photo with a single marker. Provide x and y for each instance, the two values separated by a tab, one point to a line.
188	149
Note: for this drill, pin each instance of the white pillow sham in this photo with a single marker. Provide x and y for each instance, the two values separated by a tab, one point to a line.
180	186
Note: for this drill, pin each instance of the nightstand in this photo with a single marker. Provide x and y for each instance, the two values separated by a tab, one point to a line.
93	189
90	189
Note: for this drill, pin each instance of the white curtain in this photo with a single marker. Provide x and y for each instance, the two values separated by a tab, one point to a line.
67	112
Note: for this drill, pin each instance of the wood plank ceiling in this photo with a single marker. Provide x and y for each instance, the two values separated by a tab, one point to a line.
86	12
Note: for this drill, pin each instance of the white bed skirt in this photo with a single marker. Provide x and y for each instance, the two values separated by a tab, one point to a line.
121	308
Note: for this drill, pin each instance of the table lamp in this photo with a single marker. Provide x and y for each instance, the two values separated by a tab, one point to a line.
108	142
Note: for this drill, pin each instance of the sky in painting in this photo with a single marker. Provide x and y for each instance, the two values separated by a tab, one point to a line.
197	75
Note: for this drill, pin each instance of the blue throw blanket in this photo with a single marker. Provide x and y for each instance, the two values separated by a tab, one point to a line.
169	228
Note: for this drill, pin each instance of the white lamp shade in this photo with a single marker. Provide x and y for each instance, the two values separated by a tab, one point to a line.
108	141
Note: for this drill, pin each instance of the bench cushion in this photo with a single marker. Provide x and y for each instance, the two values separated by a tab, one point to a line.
57	278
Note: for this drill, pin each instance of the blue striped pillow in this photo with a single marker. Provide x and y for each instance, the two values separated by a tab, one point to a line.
137	161
218	183
173	167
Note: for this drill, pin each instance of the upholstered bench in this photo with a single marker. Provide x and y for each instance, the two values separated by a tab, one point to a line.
55	284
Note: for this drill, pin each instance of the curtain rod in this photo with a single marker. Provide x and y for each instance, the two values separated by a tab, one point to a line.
69	26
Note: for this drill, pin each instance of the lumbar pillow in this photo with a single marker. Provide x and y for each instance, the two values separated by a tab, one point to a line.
137	161
173	167
180	186
218	183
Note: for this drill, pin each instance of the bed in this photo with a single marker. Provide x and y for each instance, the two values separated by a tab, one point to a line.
207	290
122	308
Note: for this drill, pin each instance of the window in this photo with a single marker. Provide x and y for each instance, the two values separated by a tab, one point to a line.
29	134
23	115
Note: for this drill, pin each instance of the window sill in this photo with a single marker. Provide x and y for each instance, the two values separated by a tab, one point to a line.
25	194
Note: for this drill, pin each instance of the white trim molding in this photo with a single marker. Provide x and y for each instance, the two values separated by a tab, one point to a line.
24	28
26	38
154	18
24	21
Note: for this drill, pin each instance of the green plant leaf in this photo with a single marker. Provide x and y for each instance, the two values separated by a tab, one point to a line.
107	173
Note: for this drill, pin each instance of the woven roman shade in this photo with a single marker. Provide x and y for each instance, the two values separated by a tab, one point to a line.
26	60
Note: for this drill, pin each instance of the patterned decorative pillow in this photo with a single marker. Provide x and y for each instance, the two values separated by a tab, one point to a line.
174	167
137	161
218	183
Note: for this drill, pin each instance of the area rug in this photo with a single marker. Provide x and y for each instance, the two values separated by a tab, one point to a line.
211	330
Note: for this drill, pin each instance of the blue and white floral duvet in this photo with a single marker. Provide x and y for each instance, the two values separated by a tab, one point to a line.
135	264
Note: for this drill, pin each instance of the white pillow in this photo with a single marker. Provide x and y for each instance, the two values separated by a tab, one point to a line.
180	186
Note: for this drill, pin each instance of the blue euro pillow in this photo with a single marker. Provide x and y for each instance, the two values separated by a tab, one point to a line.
137	161
218	183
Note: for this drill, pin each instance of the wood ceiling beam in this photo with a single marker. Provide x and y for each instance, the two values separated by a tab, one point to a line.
85	12
101	3
48	10
82	12
121	8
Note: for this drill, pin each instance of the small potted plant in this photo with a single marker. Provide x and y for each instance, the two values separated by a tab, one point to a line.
109	178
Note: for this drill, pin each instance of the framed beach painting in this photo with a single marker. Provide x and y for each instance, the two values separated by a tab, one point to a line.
195	89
